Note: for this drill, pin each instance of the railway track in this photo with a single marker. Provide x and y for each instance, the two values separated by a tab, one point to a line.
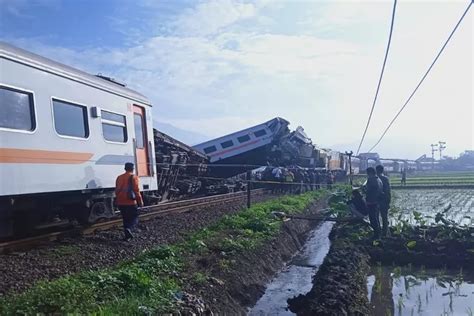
146	213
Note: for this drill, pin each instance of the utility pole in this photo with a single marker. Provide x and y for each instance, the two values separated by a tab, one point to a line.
349	153
433	150
249	178
442	146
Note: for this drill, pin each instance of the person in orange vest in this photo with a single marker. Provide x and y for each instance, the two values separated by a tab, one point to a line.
128	198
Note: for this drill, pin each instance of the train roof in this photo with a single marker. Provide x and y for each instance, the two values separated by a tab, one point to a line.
19	55
240	132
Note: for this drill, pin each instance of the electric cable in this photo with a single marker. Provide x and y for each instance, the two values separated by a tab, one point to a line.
380	78
424	76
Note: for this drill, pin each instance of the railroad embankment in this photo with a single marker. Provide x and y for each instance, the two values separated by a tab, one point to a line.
20	270
340	287
222	269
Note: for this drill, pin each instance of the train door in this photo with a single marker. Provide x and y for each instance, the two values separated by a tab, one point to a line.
141	141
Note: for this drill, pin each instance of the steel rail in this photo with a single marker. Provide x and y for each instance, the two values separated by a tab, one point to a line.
150	213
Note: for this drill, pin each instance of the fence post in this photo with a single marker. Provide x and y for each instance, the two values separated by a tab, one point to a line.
249	175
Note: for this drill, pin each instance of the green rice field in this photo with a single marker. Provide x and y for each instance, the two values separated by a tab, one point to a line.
417	205
428	179
438	178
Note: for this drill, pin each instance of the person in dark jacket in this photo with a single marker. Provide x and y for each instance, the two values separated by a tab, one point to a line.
373	194
384	203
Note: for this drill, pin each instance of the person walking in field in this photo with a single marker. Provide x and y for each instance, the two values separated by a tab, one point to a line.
404	177
385	199
373	193
128	198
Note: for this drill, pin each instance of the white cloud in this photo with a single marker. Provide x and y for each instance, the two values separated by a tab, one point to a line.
220	125
209	17
218	72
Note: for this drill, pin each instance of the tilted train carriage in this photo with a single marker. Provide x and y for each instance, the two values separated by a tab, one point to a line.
233	153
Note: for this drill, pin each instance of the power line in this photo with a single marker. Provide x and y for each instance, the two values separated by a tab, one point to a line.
381	75
424	76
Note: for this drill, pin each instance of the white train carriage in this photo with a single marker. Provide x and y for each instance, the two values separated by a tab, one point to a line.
65	136
249	146
242	141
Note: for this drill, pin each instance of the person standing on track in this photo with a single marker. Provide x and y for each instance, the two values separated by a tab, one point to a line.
384	203
128	198
373	193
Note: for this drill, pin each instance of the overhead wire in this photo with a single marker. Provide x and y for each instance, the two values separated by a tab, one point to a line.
380	78
424	76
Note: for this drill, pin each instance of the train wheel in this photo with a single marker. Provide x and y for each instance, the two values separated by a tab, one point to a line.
97	210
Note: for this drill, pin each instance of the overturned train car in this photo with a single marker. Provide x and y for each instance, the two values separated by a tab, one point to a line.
180	168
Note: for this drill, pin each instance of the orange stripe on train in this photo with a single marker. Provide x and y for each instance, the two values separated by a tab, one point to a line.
12	155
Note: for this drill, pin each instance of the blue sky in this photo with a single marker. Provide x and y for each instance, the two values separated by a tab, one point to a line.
212	67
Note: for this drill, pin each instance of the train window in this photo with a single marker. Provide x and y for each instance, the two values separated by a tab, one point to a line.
109	116
260	133
273	125
210	149
17	109
227	144
70	119
243	139
139	136
114	127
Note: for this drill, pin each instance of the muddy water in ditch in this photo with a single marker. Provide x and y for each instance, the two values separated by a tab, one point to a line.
406	291
297	276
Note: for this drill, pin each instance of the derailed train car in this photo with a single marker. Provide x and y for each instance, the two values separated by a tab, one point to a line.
179	168
269	143
65	136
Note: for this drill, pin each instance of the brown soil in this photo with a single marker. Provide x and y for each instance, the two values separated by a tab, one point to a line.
232	289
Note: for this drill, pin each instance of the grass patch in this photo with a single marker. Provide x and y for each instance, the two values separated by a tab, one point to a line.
149	283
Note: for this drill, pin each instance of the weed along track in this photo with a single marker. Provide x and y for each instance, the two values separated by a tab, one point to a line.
221	268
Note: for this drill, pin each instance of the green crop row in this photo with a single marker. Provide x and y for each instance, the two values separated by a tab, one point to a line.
150	283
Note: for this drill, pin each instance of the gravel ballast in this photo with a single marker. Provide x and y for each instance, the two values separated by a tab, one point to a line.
20	270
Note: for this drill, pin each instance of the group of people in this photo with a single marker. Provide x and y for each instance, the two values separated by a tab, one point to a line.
280	179
295	179
377	201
